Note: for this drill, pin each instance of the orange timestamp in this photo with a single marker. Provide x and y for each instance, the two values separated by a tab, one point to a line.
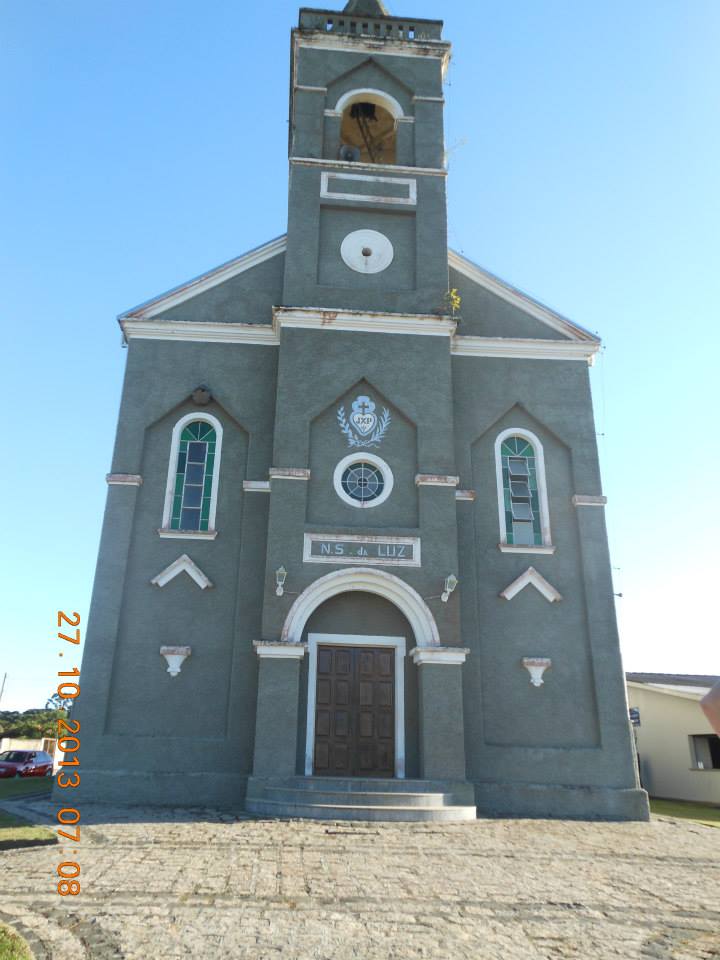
68	742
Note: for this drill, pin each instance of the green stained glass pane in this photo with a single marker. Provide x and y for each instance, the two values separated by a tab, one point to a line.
506	450
205	512
178	485
210	460
535	502
538	538
183	446
524	448
506	496
207	490
506	477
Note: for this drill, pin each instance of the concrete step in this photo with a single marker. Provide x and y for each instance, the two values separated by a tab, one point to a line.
460	789
369	798
322	811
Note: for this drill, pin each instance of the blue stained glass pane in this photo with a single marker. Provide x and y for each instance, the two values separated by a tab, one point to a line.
194	473
192	496
196	452
190	520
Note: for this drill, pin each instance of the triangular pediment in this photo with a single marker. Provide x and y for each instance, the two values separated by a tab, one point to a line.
549	325
516	313
367	70
183	564
531	578
206	281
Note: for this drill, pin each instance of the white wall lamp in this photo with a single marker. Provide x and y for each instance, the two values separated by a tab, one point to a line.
280	578
536	667
450	583
175	657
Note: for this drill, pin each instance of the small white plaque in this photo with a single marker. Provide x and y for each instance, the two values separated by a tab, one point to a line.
356	549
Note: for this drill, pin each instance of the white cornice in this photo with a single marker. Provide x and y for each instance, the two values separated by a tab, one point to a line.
437	49
321	318
369	167
279	651
585	500
206	281
516	347
256	486
165	534
519	299
289	473
465	495
435	480
547	549
257	333
123	479
440	655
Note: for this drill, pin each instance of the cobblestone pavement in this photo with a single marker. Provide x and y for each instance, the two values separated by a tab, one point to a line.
204	885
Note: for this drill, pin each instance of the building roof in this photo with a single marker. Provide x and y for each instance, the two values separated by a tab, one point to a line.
675	679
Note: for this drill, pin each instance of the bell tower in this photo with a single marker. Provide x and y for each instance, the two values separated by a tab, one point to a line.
367	198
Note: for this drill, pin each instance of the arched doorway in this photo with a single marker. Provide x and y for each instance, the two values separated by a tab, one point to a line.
358	691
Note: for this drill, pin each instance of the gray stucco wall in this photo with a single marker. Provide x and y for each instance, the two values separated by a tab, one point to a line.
562	748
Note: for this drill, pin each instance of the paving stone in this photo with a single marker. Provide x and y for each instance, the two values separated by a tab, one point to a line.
171	885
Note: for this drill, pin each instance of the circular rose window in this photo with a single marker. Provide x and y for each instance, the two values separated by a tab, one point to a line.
363	480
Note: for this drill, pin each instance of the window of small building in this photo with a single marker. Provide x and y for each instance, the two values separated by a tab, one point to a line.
706	751
369	131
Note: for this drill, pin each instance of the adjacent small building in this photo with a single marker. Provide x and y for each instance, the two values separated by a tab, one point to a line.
678	750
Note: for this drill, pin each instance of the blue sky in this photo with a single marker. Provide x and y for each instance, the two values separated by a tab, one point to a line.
146	143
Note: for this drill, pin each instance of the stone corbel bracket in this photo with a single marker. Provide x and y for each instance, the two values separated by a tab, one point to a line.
536	667
175	657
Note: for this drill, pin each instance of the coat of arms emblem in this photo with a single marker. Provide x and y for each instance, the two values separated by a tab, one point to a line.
363	428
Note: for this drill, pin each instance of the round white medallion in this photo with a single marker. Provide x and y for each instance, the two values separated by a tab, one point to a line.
367	251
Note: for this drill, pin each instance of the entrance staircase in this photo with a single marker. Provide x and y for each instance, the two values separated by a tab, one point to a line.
336	798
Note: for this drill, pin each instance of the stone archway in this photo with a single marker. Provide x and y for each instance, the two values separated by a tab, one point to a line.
407	600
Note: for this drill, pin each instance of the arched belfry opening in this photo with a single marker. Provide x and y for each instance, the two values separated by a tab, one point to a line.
368	128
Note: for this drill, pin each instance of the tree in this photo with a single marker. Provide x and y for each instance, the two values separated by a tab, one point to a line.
56	702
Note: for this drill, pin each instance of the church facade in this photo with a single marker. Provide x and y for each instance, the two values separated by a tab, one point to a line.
354	559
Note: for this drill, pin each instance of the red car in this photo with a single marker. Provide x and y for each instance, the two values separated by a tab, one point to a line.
25	763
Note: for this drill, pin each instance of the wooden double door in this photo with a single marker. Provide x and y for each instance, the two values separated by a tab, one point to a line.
355	712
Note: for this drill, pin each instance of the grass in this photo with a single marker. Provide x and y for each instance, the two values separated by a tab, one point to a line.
17	832
12	945
25	787
684	810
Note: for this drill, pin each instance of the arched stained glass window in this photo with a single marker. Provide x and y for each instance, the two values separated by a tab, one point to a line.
192	494
523	523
